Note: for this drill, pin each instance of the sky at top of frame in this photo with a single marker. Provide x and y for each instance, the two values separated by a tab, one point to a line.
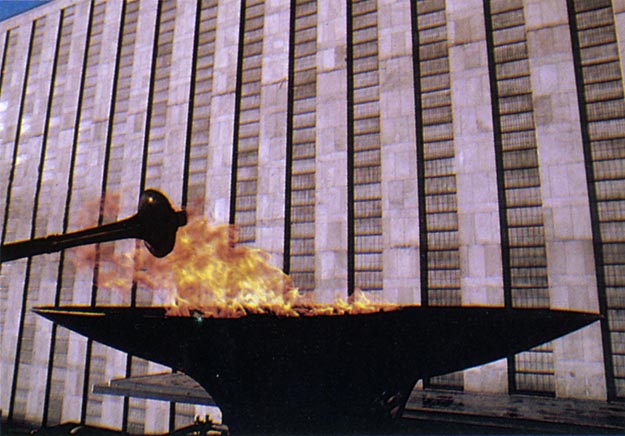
11	8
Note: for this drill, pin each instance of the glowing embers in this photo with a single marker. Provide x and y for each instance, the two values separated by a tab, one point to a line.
208	273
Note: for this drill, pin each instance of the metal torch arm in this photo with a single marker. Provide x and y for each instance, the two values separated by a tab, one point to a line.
127	228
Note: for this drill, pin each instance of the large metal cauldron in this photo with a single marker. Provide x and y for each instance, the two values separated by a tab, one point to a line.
349	373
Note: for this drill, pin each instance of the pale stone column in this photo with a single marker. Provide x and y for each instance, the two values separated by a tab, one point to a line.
222	111
172	177
88	175
134	131
400	199
19	225
12	84
270	199
12	273
478	202
131	135
32	371
156	415
53	197
19	221
221	129
106	410
568	233
331	159
178	101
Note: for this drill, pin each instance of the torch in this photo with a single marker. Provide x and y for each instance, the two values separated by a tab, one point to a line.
156	223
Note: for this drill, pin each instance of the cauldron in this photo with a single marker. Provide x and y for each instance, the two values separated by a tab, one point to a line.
323	373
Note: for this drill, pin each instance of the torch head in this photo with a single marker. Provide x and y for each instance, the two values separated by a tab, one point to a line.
159	222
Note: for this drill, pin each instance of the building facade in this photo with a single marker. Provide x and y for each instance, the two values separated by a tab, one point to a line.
459	152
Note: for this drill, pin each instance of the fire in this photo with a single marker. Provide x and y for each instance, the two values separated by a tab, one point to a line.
213	275
209	274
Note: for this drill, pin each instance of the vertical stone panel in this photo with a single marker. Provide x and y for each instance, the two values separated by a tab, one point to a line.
565	196
64	116
22	204
88	170
331	157
174	61
144	135
478	206
123	172
202	98
124	150
199	130
172	76
57	159
157	157
272	131
602	112
478	202
134	133
13	80
144	166
222	111
561	162
96	409
126	143
400	208
178	102
35	347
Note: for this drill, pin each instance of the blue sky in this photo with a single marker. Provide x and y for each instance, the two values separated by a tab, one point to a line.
9	8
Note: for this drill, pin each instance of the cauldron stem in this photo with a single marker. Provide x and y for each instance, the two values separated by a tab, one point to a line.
155	222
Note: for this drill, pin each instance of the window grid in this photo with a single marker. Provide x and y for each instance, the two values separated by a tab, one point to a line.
249	122
303	175
366	159
203	87
160	96
605	113
122	99
437	154
533	371
441	222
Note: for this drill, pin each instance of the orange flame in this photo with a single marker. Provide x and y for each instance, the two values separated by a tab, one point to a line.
209	274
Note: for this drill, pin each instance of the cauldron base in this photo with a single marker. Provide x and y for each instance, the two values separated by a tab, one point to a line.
328	374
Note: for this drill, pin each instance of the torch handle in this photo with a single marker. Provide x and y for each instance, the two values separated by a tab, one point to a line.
126	228
156	222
